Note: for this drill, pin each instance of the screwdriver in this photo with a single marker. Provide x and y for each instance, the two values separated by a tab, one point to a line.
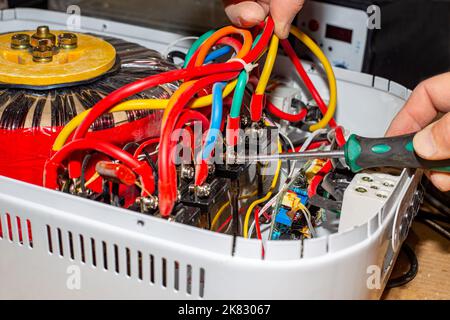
364	153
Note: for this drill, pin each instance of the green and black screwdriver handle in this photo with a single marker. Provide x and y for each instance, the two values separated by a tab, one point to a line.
364	153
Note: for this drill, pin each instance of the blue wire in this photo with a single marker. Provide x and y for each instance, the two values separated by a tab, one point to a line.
217	54
216	120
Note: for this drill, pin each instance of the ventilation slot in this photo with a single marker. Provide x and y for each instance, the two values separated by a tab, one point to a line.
19	230
105	256
83	254
202	283
49	238
164	272
60	243
1	229
94	257
177	276
9	226
71	250
189	279
30	234
116	258
128	256
152	269
140	276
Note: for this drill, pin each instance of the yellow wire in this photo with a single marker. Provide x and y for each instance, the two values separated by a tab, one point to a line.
185	86
266	197
330	74
268	66
225	206
141	104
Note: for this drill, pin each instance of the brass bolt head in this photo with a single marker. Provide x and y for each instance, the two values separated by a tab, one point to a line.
20	41
42	54
67	40
43	34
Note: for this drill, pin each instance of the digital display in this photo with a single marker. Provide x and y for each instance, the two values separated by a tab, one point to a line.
338	33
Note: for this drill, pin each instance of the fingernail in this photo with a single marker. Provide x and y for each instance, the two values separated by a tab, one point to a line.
424	143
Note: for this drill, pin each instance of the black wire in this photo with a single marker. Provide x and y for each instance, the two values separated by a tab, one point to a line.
84	165
412	272
130	145
176	54
154	167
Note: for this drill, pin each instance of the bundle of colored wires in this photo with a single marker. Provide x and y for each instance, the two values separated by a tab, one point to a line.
198	75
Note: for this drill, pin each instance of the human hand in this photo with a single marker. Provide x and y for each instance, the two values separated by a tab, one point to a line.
248	13
433	141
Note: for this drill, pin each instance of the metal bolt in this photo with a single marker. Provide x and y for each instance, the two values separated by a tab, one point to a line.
42	54
361	190
148	203
68	41
20	41
211	169
203	191
245	121
43	34
187	172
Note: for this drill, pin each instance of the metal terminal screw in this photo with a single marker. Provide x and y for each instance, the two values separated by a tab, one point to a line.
148	203
20	41
361	190
245	121
381	195
388	184
203	191
42	54
68	41
367	179
187	172
211	169
43	35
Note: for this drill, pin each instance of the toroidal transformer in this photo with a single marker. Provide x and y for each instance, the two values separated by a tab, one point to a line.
48	77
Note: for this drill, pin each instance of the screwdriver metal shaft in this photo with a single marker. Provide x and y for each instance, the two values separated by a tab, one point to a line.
335	154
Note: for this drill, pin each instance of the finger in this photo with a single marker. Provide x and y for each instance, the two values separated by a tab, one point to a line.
440	180
430	97
245	13
283	13
433	142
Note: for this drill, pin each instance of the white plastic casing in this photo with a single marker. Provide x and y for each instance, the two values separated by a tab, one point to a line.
349	55
49	239
366	195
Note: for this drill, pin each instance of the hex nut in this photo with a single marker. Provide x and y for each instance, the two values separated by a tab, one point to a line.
68	41
20	41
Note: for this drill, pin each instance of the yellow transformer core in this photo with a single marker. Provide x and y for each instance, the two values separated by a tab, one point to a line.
89	59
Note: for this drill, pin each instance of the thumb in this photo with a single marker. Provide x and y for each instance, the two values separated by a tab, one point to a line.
283	13
245	13
433	142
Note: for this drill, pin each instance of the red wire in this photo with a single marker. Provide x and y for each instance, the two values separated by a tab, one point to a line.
309	84
131	89
141	168
284	115
167	173
315	182
144	145
340	138
223	226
